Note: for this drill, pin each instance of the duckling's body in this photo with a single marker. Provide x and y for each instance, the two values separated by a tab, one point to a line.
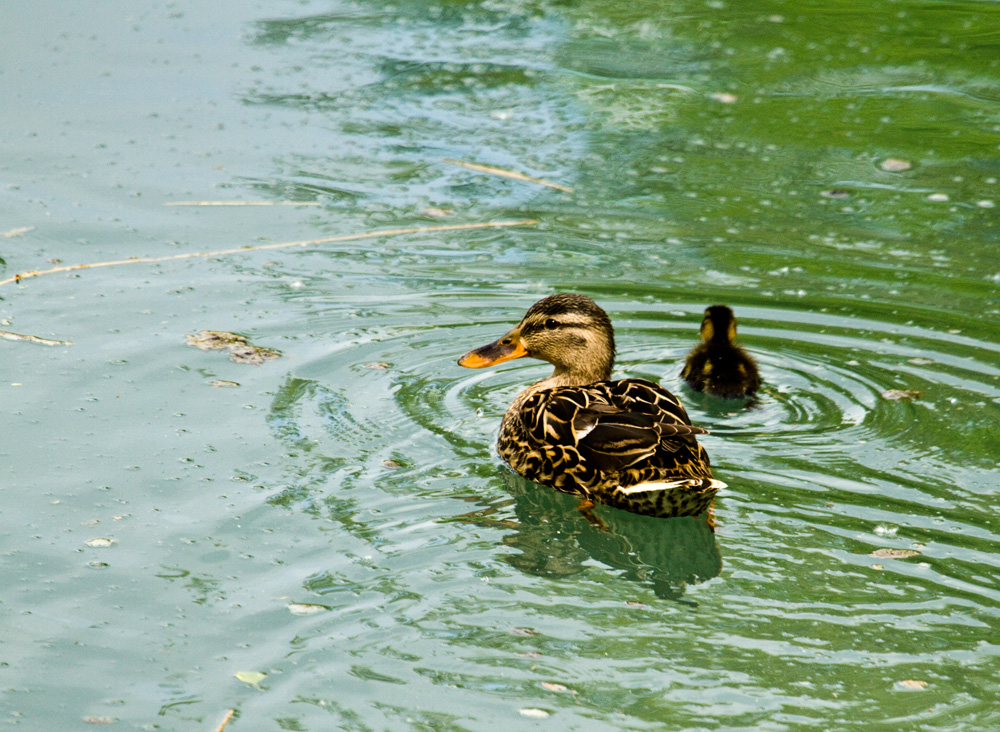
718	366
627	443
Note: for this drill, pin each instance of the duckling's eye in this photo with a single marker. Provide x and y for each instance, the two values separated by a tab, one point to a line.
551	324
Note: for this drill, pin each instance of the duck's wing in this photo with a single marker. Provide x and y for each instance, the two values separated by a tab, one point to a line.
613	425
645	397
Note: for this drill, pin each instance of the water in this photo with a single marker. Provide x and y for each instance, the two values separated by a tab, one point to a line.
716	154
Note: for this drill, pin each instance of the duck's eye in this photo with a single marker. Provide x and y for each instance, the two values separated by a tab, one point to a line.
551	324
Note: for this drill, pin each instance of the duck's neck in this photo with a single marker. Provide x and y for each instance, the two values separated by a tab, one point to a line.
719	332
562	376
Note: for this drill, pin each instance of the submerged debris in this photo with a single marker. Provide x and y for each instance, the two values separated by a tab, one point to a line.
534	713
894	553
836	193
898	395
305	608
724	97
239	347
253	354
251	677
895	165
208	340
551	686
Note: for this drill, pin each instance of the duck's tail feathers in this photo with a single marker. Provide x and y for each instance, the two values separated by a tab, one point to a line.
667	498
700	485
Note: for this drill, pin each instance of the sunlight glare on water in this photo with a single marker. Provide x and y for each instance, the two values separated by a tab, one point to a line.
328	540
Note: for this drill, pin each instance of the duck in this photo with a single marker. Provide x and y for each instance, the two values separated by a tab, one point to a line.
717	366
627	443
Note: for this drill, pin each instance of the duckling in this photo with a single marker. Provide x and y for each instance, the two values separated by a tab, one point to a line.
627	443
717	365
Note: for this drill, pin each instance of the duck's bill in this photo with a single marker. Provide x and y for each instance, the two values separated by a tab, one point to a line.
494	353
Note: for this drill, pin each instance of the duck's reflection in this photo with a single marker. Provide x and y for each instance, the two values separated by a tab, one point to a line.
556	540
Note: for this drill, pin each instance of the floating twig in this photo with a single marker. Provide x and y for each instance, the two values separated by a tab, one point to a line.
32	339
508	174
263	247
243	203
229	715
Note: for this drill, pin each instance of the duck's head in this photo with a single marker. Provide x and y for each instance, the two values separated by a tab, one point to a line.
719	325
569	331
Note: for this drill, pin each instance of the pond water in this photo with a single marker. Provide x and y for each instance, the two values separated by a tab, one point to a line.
331	543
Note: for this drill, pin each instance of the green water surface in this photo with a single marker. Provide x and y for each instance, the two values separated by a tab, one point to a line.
338	521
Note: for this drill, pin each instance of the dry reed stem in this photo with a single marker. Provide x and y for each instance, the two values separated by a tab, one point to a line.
263	247
508	174
32	339
243	203
17	232
229	715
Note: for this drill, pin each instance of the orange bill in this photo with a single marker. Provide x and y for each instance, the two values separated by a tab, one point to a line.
504	349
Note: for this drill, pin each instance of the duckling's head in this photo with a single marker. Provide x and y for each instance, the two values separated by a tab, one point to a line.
569	331
719	325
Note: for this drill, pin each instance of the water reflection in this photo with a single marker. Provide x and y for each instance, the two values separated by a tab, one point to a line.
556	540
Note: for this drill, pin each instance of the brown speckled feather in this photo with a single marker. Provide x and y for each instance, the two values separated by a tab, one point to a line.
602	439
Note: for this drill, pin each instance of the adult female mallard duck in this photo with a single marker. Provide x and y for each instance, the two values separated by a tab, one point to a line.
717	365
626	443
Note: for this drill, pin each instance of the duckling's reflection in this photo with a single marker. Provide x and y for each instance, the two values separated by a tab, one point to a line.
556	540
